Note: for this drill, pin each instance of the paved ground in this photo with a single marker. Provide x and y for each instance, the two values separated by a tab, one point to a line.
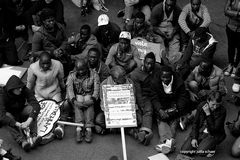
103	147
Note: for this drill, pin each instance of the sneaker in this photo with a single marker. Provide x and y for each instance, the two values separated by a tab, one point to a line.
233	72
88	136
236	88
228	70
210	154
36	141
166	147
26	146
47	139
121	13
79	136
59	132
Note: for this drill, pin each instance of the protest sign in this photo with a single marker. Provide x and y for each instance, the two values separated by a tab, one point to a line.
119	106
145	47
48	116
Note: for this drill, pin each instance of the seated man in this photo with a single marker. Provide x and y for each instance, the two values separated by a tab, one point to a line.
117	76
164	20
82	92
51	37
205	78
201	46
208	128
124	54
139	28
193	15
45	78
79	44
142	78
107	34
170	101
17	115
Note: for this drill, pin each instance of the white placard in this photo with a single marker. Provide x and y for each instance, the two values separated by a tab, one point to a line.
48	116
7	72
119	106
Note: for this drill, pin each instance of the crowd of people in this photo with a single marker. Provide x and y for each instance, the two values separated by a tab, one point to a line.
185	88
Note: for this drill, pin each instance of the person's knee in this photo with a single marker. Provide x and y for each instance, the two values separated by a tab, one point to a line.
193	86
236	148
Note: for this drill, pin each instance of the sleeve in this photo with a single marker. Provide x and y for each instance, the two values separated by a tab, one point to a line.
156	13
101	94
59	12
215	125
206	17
32	101
110	57
61	76
182	19
138	88
31	79
4	119
196	124
96	86
70	88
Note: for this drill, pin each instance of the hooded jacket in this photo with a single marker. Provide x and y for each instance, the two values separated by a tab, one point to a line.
15	104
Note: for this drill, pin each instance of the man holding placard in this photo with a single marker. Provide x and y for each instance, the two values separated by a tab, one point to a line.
16	115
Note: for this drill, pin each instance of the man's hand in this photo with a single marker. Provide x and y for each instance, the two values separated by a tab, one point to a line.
194	143
27	123
163	114
193	96
89	102
191	34
206	109
58	52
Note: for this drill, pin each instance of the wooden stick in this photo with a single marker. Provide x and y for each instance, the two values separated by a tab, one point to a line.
70	123
123	144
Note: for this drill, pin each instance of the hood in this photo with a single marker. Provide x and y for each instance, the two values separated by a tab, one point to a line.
13	83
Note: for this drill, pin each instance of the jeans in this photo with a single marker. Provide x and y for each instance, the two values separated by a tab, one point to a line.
8	53
147	112
233	44
206	144
167	130
17	134
84	115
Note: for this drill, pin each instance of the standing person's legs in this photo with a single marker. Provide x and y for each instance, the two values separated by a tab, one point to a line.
10	52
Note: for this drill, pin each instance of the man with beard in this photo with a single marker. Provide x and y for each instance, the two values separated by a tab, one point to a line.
204	78
142	78
124	54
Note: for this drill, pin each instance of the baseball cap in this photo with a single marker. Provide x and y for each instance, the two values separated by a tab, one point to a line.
103	19
125	34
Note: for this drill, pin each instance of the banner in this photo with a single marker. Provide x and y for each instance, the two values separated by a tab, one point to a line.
145	47
48	116
119	106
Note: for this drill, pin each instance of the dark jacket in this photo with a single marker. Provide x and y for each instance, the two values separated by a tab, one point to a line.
142	82
214	122
15	104
157	15
178	97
